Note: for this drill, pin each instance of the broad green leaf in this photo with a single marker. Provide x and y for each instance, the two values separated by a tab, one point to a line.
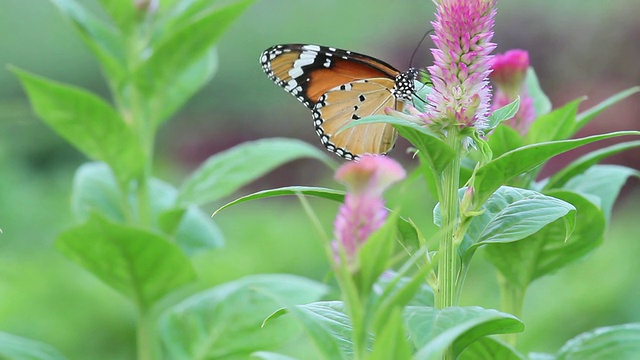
420	295
87	122
225	322
225	172
586	116
621	342
95	190
489	348
326	193
433	330
504	139
581	164
556	125
489	177
435	150
13	347
548	250
266	355
399	291
184	85
391	342
604	182
326	324
504	113
179	50
142	265
541	102
124	13
511	214
105	41
192	230
541	356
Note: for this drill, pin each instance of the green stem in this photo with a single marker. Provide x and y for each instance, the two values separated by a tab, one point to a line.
512	300
145	351
448	264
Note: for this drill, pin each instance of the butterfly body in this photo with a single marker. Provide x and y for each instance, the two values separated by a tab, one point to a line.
339	87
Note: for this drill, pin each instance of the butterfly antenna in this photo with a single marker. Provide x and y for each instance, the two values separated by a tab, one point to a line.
415	51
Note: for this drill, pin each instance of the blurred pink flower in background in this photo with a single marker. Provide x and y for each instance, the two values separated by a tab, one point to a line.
508	76
363	211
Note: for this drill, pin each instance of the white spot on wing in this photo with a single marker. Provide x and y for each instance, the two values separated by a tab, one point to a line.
311	47
291	85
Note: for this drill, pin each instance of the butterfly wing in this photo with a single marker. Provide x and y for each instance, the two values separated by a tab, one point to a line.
309	71
339	86
350	102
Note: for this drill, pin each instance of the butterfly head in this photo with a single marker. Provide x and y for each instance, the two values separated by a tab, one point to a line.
404	87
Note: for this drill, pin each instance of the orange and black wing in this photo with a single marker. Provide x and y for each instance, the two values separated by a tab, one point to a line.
340	87
309	71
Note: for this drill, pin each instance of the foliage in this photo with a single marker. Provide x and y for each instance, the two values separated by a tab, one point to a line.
139	234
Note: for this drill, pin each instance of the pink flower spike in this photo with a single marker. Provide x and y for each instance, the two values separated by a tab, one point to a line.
510	70
461	91
371	174
363	211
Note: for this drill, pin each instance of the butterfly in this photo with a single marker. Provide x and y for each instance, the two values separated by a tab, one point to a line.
340	87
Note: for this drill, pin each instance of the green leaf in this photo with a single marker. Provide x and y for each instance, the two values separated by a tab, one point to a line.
586	116
225	322
604	182
142	265
489	348
266	355
179	50
548	250
18	348
326	324
504	139
556	125
193	230
391	342
374	256
504	113
437	153
85	121
95	190
541	102
492	175
325	193
184	85
433	330
621	342
123	13
511	214
581	164
103	40
225	172
399	289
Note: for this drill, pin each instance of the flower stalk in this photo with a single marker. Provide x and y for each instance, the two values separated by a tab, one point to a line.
457	106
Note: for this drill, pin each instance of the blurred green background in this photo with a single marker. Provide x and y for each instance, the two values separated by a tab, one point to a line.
578	47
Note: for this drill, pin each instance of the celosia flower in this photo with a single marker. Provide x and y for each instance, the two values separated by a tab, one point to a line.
509	73
461	91
363	211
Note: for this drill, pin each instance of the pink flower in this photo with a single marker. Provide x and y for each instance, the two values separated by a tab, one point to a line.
461	91
363	211
508	76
